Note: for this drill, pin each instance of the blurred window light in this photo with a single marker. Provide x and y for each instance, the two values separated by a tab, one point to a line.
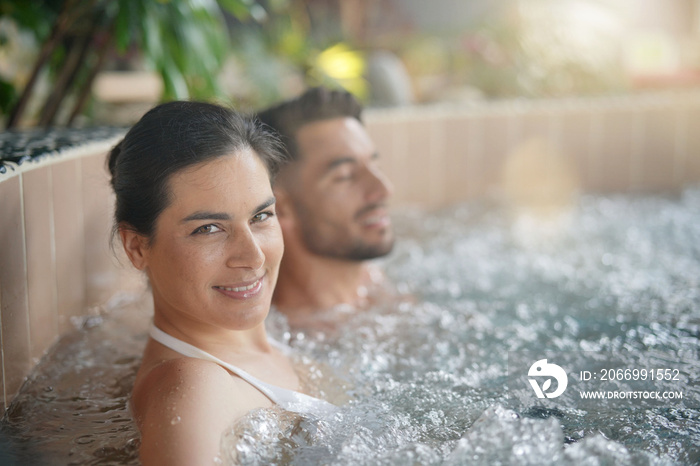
578	27
651	53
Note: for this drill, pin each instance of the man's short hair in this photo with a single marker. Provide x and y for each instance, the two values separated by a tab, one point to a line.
316	104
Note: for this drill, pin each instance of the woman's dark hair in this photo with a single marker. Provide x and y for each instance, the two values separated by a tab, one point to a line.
169	138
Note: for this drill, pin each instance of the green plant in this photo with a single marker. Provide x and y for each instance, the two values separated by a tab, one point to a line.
185	41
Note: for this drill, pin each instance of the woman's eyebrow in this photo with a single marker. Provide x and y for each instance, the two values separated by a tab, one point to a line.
271	200
204	215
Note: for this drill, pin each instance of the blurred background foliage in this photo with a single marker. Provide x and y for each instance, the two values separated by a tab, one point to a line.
184	41
188	43
517	56
289	50
56	55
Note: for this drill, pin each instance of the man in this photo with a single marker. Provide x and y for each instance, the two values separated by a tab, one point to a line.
331	204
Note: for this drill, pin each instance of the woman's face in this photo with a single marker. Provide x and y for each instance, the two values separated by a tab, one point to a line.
217	247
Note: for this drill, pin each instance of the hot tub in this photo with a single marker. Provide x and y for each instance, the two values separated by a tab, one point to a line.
516	265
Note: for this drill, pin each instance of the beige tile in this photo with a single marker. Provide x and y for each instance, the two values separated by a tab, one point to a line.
658	151
692	162
498	143
437	163
41	266
594	161
536	164
475	157
381	133
420	166
69	238
401	172
638	140
573	127
462	158
535	124
612	146
101	273
13	290
679	146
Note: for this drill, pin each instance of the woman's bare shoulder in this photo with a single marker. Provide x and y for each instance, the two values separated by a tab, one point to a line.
180	382
173	384
176	397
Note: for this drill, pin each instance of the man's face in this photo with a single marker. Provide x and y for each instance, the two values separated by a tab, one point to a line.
339	194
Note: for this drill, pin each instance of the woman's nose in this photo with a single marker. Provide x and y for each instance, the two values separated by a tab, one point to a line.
245	251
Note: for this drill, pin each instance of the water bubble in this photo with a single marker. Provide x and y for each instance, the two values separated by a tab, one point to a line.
85	439
175	420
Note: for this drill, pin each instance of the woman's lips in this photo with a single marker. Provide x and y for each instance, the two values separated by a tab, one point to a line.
243	291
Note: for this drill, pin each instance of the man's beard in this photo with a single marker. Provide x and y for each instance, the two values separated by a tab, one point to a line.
340	245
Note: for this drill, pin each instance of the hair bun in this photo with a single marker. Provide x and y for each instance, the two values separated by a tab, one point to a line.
113	156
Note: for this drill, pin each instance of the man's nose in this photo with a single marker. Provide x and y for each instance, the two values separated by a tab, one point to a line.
379	187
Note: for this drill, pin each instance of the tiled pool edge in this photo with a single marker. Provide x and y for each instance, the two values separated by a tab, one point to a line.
637	143
55	255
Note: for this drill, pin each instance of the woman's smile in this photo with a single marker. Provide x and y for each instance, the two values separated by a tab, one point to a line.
242	291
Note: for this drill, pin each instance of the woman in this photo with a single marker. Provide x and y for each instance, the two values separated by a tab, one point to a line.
195	211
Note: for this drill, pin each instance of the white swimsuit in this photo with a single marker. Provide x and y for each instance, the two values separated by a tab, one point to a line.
287	399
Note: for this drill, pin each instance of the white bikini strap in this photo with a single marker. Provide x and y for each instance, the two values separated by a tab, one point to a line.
186	349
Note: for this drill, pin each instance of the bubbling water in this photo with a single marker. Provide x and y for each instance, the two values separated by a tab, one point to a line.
73	407
617	276
422	379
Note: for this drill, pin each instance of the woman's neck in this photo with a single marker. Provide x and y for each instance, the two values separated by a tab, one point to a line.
216	340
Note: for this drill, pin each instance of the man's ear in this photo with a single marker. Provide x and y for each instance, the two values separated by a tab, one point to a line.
135	246
284	207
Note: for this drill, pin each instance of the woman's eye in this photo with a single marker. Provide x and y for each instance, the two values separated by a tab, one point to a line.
206	229
262	216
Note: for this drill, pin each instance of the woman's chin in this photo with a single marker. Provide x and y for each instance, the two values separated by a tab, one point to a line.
252	317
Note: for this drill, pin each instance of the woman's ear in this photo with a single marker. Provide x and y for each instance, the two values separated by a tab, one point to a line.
135	246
